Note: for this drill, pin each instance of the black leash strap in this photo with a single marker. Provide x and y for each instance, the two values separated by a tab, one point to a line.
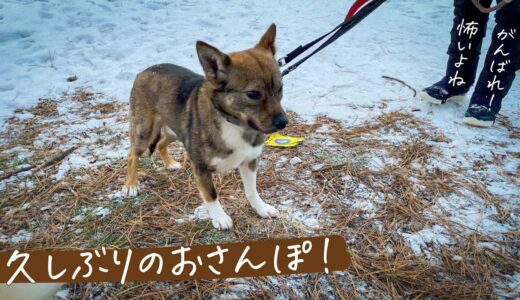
296	52
337	32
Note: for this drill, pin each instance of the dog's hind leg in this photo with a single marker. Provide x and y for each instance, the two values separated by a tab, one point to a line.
131	187
167	137
142	135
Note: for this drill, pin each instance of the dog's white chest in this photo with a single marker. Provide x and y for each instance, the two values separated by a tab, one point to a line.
242	150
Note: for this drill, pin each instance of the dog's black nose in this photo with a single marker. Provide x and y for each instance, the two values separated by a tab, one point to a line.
280	121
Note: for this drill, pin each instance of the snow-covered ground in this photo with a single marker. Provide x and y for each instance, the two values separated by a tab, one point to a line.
106	43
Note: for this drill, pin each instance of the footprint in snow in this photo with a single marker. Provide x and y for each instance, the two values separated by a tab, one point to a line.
45	15
87	38
155	5
13	35
107	27
25	44
6	87
105	7
139	20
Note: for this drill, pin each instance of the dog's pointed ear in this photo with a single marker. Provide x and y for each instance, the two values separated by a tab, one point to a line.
214	63
267	40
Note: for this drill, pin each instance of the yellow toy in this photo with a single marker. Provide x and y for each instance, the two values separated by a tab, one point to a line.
278	140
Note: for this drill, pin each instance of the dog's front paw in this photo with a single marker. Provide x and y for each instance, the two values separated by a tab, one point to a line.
219	218
265	210
132	190
174	166
223	222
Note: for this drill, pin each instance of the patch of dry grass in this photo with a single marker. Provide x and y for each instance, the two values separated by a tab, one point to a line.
326	185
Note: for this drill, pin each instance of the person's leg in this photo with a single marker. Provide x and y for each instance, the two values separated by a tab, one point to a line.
498	73
467	33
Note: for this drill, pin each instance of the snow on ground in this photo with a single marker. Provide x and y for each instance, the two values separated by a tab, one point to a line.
106	43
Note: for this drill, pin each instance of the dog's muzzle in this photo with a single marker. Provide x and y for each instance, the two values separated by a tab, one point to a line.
280	121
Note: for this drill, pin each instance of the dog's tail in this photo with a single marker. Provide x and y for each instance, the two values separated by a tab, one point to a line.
155	135
154	142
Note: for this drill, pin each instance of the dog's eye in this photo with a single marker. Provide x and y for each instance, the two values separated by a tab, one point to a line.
255	95
280	89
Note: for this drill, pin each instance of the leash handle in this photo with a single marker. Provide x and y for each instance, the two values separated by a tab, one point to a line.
357	6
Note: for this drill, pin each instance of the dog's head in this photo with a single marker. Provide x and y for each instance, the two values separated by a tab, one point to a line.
248	84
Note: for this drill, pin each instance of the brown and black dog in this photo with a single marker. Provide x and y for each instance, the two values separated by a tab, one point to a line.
221	119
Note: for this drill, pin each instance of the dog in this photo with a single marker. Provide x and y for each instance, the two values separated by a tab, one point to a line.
221	118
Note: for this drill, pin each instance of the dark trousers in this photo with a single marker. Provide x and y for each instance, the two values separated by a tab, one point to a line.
502	58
